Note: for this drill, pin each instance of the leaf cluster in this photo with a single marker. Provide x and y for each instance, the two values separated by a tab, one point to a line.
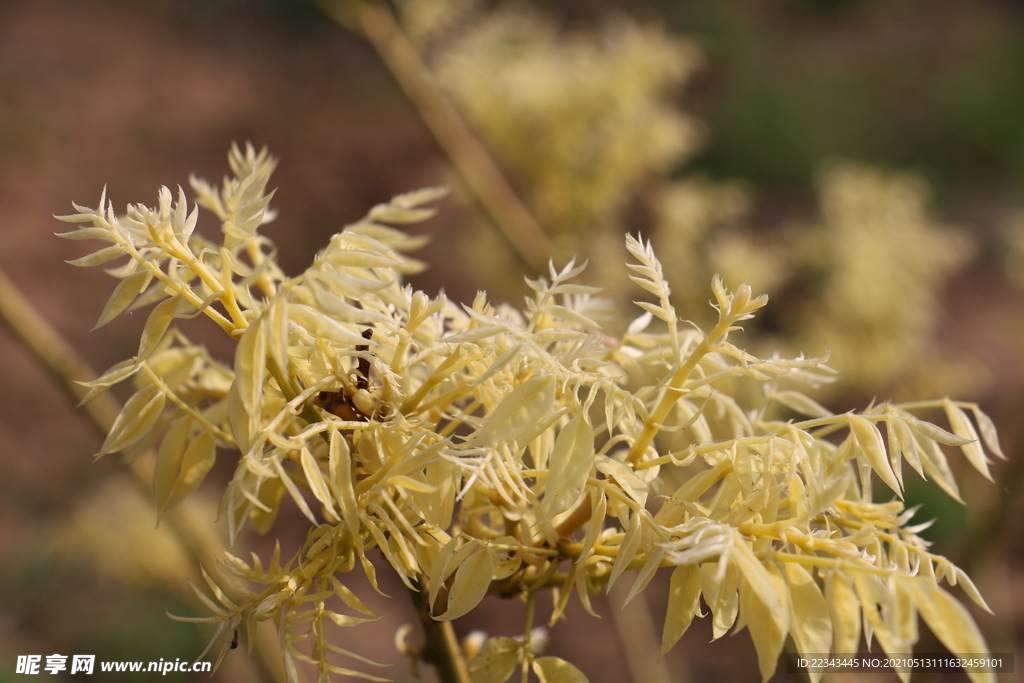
483	449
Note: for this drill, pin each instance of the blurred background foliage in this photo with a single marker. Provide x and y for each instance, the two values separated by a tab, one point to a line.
861	161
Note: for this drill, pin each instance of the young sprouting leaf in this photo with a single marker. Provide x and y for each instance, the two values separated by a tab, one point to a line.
316	481
809	618
156	326
98	257
623	475
472	579
683	602
951	623
768	634
519	410
906	442
869	439
844	609
936	467
238	419
293	490
878	601
719	590
628	547
340	467
168	461
116	373
599	504
506	562
135	420
963	428
496	661
270	495
124	294
276	321
988	431
557	670
251	368
570	464
322	327
195	464
405	208
801	403
762	582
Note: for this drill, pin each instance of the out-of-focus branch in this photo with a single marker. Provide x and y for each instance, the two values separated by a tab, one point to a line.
639	637
67	367
471	159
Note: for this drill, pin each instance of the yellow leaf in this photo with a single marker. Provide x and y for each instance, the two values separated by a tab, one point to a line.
277	332
878	600
439	569
251	368
124	294
769	589
570	464
963	428
557	670
506	562
315	479
801	404
907	442
599	504
810	622
628	548
322	327
519	410
168	461
495	662
340	465
293	490
763	622
951	623
623	475
988	431
156	325
271	492
136	418
936	467
472	579
845	610
241	425
98	257
357	258
195	464
869	439
683	598
720	594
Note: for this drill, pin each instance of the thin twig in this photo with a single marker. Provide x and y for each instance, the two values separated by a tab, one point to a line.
639	637
442	649
191	528
471	159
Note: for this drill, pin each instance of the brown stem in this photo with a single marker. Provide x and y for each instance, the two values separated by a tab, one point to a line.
471	159
61	360
442	649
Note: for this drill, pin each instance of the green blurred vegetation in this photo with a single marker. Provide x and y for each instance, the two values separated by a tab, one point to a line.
937	86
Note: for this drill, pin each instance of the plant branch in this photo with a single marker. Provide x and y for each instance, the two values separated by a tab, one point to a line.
442	649
472	161
67	367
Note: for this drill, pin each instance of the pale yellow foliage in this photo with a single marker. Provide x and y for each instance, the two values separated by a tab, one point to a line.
113	529
578	118
479	447
884	260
